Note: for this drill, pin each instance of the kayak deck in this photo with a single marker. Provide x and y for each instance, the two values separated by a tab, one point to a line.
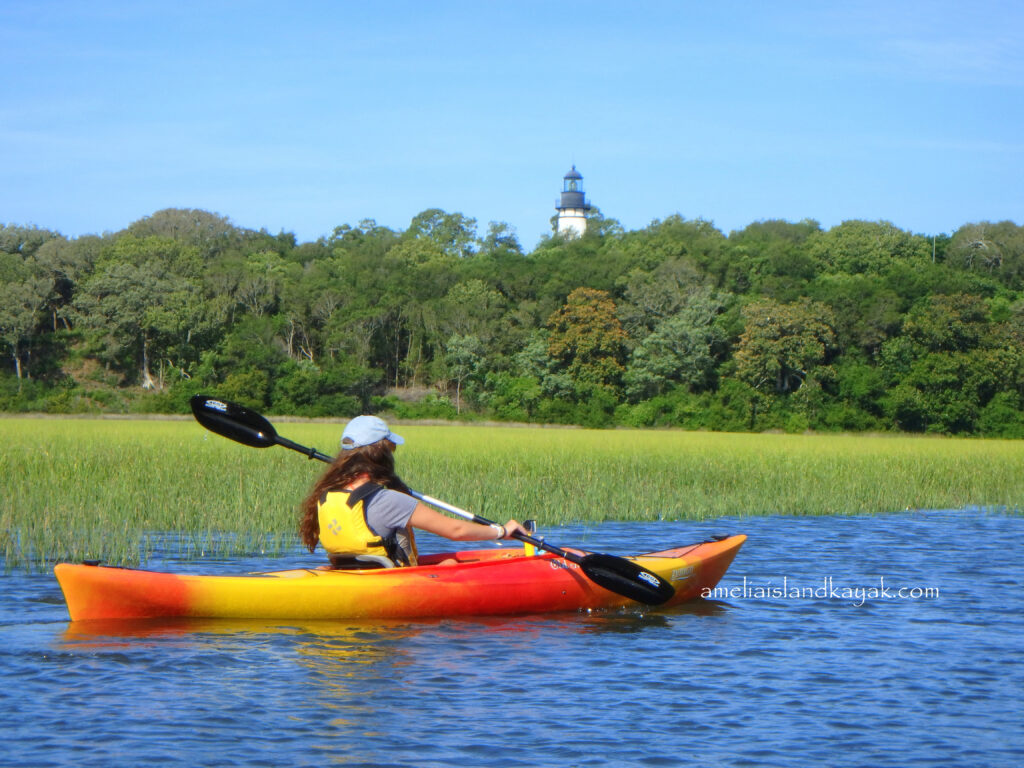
467	583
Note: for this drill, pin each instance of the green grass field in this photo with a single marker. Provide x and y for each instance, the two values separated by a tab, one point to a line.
81	488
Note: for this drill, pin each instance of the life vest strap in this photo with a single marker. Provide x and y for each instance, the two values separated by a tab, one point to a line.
363	493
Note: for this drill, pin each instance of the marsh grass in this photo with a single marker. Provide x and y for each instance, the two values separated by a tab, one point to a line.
114	490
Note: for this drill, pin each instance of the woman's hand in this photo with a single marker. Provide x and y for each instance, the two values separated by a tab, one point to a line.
511	527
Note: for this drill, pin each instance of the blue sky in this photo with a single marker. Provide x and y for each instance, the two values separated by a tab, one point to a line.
301	116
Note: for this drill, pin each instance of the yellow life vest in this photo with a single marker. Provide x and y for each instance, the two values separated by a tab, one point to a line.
344	529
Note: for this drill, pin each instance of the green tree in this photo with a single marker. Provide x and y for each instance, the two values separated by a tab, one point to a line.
782	344
367	238
993	249
867	312
21	305
973	247
866	247
452	233
23	241
948	364
772	258
260	282
209	233
25	289
463	355
859	390
651	297
587	340
675	238
948	323
67	263
128	308
501	237
680	350
472	308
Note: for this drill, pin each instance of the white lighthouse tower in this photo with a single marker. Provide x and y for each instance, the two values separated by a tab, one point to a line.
573	206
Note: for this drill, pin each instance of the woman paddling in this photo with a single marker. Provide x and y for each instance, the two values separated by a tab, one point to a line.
361	512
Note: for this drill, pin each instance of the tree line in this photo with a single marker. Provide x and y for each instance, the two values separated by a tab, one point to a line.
781	325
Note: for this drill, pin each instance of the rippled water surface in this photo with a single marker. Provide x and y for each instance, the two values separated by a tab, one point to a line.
868	641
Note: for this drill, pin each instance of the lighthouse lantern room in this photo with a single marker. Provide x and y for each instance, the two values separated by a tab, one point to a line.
572	207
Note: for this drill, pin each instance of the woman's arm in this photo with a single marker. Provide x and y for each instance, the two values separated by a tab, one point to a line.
431	520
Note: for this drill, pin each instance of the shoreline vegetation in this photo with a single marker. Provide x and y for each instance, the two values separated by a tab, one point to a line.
117	489
781	326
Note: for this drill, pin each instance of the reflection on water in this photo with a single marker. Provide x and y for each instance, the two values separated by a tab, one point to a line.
333	634
85	635
309	635
751	680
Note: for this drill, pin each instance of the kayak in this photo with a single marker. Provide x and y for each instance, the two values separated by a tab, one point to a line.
467	583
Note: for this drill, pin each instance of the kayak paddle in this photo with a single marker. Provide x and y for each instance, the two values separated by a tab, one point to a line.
616	574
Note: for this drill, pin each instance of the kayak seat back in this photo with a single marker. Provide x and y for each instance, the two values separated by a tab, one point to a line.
348	561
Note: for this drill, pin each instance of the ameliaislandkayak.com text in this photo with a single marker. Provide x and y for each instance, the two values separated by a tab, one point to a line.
828	590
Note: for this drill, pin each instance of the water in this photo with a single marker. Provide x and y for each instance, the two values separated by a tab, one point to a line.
794	667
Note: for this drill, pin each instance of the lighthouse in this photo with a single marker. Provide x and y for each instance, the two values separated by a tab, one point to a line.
572	207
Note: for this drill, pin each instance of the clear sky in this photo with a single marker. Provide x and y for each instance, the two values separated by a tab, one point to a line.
301	116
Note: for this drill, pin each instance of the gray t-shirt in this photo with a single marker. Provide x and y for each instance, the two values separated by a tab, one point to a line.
389	511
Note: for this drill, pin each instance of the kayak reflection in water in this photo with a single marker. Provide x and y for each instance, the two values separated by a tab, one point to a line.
362	513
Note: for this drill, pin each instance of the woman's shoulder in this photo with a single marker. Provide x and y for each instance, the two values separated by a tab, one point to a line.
391	507
391	498
395	495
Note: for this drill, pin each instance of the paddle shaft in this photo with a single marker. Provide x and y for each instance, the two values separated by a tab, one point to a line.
311	453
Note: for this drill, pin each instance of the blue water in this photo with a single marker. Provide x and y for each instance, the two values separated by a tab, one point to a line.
813	658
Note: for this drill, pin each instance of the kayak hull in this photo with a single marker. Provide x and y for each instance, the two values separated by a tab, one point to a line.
470	583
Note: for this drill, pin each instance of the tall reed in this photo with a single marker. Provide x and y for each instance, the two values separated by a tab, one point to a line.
72	489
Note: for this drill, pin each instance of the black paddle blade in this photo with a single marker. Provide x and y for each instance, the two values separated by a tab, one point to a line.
624	577
233	421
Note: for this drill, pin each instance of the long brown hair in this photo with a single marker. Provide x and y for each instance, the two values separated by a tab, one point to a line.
376	460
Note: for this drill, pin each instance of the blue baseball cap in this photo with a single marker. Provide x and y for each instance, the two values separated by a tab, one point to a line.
367	430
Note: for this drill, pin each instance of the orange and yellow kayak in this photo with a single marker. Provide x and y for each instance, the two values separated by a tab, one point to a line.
468	583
